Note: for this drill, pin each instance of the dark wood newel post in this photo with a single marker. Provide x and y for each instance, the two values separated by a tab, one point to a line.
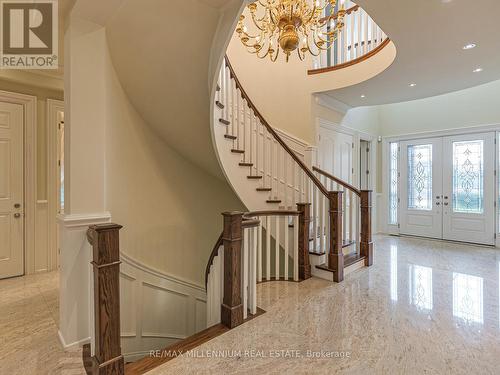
304	223
104	239
366	246
232	307
336	256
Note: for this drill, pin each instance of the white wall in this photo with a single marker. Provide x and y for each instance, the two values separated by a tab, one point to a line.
470	107
119	169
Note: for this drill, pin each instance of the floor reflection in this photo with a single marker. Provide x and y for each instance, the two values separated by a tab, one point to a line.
468	297
394	273
420	283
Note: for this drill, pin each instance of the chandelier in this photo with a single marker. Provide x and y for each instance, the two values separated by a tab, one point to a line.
307	26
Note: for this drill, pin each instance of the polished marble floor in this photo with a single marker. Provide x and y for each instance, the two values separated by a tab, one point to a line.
425	307
29	316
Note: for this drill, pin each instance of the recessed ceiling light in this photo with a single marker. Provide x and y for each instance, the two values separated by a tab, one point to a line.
363	96
477	70
413	84
469	46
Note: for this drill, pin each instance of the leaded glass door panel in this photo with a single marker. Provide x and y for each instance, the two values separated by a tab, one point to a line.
421	187
469	188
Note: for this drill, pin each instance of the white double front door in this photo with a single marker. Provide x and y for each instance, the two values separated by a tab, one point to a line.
448	188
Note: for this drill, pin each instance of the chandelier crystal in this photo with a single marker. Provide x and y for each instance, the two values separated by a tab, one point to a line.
308	26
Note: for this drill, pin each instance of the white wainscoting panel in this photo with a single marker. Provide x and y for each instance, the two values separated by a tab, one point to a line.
43	254
157	309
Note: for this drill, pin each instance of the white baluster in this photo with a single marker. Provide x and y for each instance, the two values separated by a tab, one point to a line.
233	108
277	248
251	132
210	298
352	29
268	248
359	32
259	252
285	174
321	223
287	220
238	118
252	282
365	39
264	157
216	281
244	129
257	141
296	248
345	41
244	263
315	217
278	170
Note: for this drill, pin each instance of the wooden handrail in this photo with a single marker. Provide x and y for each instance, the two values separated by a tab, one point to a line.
271	213
301	164
351	62
338	181
348	11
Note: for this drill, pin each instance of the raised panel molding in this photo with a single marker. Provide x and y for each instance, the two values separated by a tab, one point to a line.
157	309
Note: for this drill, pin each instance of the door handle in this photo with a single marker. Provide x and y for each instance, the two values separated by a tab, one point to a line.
437	203
17	205
446	203
17	215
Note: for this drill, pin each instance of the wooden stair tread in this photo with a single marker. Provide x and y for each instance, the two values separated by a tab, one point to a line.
349	260
229	136
225	122
254	177
219	104
237	151
189	343
246	164
148	363
264	189
345	243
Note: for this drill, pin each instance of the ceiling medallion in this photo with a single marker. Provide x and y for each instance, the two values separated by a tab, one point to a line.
308	26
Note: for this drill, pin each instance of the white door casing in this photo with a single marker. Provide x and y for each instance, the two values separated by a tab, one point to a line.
469	188
421	188
11	190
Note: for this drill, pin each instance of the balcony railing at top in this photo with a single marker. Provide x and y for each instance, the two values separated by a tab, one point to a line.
360	38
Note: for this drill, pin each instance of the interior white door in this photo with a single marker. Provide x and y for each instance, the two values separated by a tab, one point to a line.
421	188
469	188
11	190
335	153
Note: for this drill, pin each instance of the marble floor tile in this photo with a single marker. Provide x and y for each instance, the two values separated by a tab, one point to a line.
424	307
29	342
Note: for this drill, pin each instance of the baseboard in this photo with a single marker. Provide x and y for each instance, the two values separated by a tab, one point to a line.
76	344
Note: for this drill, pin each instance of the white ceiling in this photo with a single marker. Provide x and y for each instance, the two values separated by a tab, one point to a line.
429	36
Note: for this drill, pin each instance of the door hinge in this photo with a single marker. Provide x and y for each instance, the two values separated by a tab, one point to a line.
353	145
59	163
367	149
399	226
367	172
399	200
352	170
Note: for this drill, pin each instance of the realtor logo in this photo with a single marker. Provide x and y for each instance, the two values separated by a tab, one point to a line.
29	37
